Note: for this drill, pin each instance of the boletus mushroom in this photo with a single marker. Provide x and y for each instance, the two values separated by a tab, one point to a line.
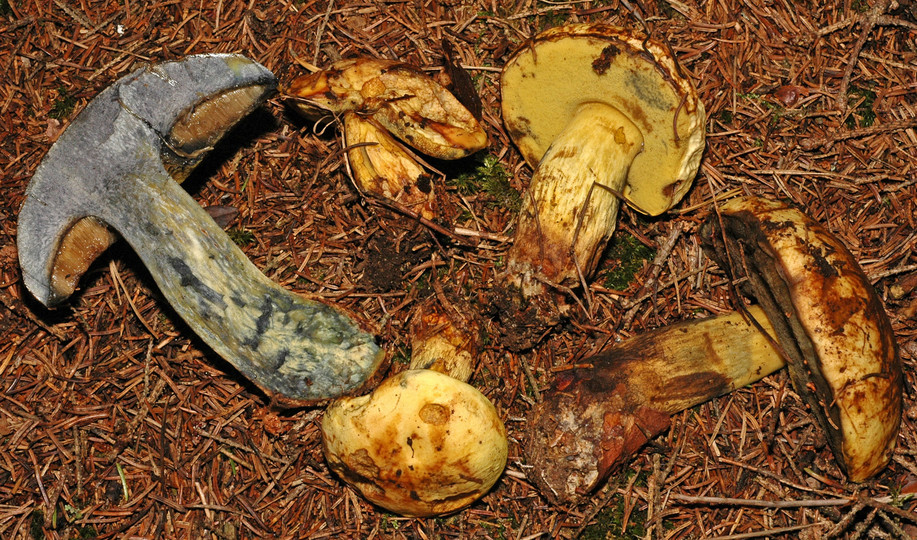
602	114
381	102
425	442
842	355
602	410
421	444
116	170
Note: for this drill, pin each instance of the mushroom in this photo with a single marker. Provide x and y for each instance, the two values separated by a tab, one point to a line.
116	168
421	444
840	347
448	341
603	114
425	442
603	409
379	98
381	166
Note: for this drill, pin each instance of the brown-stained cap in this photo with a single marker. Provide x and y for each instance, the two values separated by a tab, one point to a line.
400	97
421	444
841	349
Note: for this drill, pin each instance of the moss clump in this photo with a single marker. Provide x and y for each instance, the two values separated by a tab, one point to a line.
491	178
241	237
86	532
626	256
36	525
63	105
609	524
863	98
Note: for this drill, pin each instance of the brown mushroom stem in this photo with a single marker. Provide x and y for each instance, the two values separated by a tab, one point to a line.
571	207
601	411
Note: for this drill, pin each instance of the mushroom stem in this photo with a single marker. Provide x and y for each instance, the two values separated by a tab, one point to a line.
379	165
575	189
604	409
601	113
444	341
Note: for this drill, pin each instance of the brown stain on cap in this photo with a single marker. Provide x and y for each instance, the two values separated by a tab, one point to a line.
434	413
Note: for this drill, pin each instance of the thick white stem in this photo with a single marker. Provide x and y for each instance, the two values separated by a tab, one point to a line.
571	207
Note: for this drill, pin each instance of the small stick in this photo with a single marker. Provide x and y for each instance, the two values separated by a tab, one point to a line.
531	378
727	501
14	305
776	477
812	143
661	256
113	268
640	299
872	18
769	533
321	31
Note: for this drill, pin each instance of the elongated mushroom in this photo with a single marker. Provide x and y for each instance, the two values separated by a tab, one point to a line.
380	165
842	354
376	96
421	444
603	114
600	412
116	167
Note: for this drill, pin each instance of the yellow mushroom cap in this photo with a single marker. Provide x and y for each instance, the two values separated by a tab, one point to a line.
400	97
421	444
564	68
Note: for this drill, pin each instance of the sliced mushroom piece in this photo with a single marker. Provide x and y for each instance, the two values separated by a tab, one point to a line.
842	354
380	166
116	168
445	341
399	98
422	444
602	113
600	412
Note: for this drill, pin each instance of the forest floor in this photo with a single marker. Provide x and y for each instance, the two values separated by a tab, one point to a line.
116	421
